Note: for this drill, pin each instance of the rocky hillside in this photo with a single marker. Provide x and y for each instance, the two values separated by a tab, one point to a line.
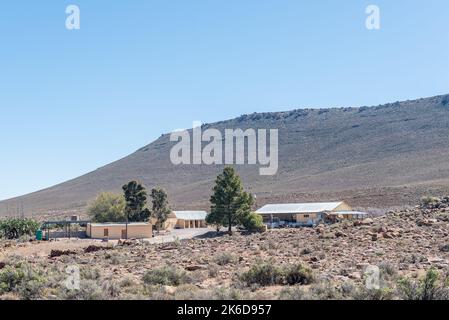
382	157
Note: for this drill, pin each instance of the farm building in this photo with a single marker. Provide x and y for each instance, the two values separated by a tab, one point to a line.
190	219
119	230
301	214
344	215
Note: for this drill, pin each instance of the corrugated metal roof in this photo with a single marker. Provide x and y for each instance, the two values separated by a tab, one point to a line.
299	207
190	215
349	213
119	224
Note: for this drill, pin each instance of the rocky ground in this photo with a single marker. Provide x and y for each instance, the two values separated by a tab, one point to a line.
403	244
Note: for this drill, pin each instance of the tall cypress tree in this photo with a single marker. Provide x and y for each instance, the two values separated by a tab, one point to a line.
136	202
230	203
161	208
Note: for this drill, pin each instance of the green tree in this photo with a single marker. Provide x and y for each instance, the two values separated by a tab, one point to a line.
230	203
136	202
216	220
107	207
14	228
161	208
253	222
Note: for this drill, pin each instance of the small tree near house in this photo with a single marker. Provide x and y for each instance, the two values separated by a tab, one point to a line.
107	207
161	208
136	202
215	220
253	222
230	203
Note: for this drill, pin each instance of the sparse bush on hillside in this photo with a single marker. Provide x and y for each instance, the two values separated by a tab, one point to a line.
363	293
298	274
323	290
213	270
428	288
388	270
111	288
263	273
295	293
167	275
15	228
267	273
89	290
22	280
428	201
225	258
114	257
228	294
90	273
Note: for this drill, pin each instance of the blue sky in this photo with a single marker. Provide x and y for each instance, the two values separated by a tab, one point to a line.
72	101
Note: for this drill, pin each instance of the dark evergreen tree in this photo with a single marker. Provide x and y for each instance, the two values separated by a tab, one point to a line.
230	203
136	202
161	208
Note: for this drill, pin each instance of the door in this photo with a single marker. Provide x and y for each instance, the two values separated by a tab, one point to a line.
124	235
106	233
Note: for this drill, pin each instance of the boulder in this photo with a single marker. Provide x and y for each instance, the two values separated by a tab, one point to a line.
376	236
195	268
390	235
58	253
355	276
340	234
362	266
366	222
170	290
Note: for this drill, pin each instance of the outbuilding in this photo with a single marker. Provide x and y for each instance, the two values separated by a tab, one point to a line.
339	216
190	219
299	214
139	230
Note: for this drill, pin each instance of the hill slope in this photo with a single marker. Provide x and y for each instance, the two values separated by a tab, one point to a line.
380	156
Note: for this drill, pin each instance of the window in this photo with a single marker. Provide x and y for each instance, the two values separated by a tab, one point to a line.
106	232
306	216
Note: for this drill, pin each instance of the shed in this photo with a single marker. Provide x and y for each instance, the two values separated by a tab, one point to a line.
346	215
138	230
299	214
190	219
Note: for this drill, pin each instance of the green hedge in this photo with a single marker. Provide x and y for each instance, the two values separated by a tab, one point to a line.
15	228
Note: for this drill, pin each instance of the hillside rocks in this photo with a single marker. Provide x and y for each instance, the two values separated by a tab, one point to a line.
364	222
409	240
405	242
429	204
59	253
